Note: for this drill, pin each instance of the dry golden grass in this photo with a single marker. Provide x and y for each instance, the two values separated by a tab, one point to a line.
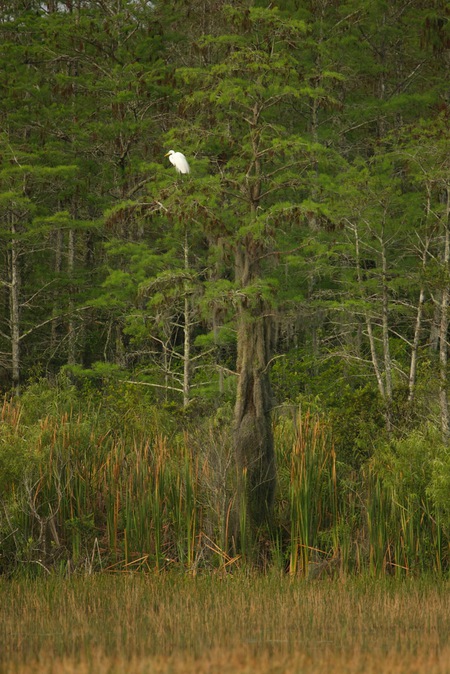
223	661
246	624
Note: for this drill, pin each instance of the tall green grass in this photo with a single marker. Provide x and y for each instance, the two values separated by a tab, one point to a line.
311	489
84	494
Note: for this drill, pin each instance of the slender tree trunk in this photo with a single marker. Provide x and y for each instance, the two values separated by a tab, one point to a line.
166	368
71	355
370	335
418	325
120	356
443	328
314	106
443	398
386	343
381	54
72	338
58	268
216	343
15	307
415	346
434	327
186	354
187	331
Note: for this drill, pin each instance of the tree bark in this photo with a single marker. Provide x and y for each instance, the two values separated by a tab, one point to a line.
253	437
419	317
58	237
443	328
71	355
386	343
187	330
415	347
15	308
370	335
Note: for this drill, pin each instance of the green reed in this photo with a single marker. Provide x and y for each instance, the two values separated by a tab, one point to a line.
312	492
91	497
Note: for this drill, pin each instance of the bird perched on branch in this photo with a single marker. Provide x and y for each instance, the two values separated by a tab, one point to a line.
179	161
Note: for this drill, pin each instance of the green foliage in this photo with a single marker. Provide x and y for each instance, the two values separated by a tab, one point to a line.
357	418
318	138
308	475
416	468
439	487
97	479
406	464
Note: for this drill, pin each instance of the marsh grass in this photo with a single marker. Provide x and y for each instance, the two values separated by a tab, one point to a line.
86	496
234	623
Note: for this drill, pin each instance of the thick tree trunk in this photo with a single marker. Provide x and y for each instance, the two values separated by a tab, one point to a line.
253	437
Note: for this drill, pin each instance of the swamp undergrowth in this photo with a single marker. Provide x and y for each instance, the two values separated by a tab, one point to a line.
85	488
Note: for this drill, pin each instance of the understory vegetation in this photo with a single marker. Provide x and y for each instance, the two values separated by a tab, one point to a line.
105	481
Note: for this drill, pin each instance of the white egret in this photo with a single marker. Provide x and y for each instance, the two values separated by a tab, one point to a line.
179	161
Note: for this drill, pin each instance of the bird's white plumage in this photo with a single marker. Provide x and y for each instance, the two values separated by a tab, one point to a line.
179	161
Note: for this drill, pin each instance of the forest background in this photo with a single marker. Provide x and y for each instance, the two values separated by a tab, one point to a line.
249	361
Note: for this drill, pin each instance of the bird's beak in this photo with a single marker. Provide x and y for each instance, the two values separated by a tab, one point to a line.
167	154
